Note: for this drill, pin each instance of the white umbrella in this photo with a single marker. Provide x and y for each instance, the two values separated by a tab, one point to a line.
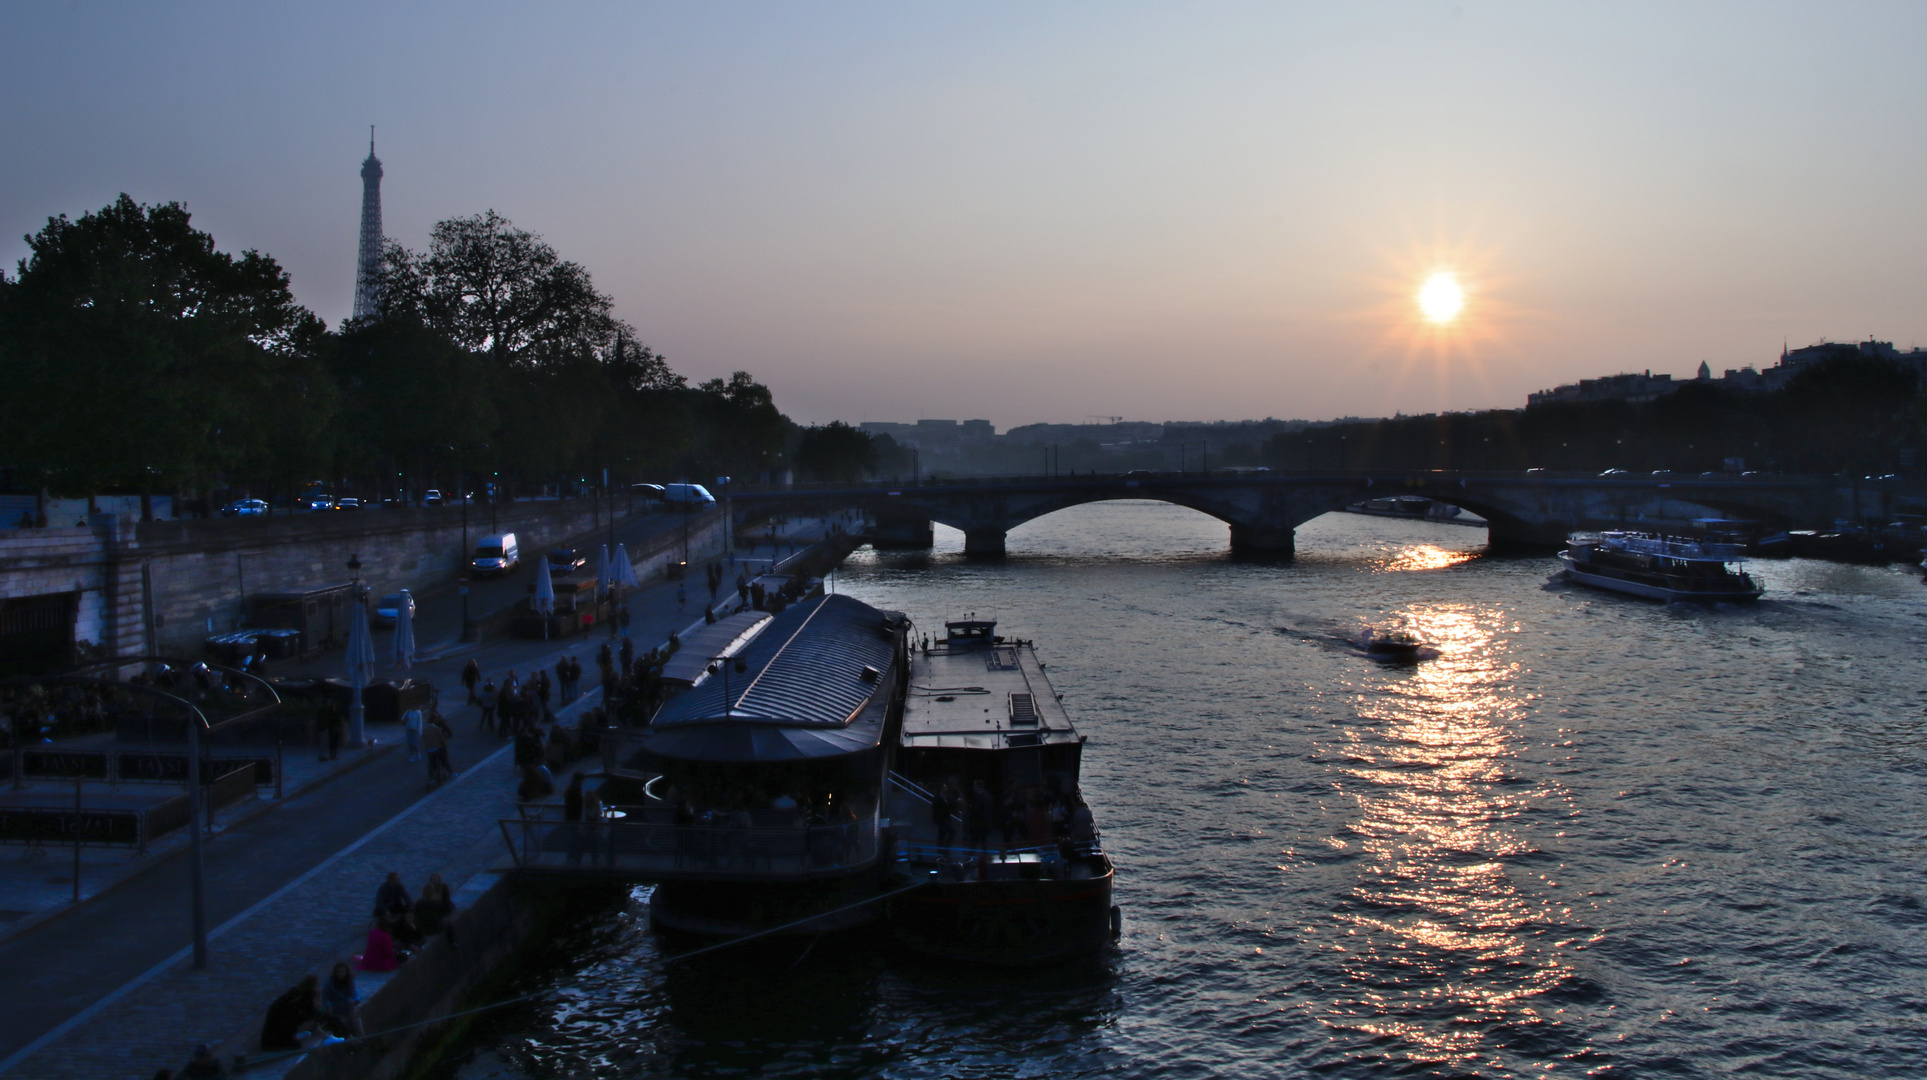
361	664
544	602
625	570
405	630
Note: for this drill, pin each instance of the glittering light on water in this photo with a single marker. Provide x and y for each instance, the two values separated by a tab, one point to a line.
1443	946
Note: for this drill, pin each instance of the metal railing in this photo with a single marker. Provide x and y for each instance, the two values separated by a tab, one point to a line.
635	846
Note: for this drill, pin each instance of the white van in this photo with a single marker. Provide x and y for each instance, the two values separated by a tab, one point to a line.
496	555
693	495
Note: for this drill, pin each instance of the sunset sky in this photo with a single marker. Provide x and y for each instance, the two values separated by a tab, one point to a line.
1032	212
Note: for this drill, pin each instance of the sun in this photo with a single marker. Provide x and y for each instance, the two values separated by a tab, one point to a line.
1441	299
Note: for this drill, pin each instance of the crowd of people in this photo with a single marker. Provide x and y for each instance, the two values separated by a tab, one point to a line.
1029	818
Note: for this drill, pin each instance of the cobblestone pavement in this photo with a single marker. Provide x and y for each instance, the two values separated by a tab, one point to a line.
107	990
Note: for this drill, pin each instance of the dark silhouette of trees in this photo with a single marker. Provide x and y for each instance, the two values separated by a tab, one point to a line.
136	356
835	451
1850	413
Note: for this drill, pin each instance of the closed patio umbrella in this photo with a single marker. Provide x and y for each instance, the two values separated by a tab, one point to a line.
404	645
361	665
625	570
544	602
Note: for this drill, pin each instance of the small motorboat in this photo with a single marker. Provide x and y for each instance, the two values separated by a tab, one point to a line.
1391	645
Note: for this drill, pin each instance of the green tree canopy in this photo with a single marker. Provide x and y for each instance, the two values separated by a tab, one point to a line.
137	355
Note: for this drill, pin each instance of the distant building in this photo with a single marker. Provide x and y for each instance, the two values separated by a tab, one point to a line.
1644	386
933	434
1647	386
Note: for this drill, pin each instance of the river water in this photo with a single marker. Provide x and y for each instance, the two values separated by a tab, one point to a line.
1591	836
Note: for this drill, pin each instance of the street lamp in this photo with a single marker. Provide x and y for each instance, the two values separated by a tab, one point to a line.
356	718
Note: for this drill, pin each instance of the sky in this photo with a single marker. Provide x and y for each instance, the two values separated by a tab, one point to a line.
1051	212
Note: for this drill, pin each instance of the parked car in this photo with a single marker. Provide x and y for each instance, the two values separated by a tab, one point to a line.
433	497
566	561
1614	472
647	491
390	607
350	503
690	495
244	508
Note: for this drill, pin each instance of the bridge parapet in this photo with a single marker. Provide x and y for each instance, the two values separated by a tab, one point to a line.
1265	510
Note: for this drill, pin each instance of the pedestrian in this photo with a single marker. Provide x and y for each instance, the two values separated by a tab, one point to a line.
204	1065
411	726
434	907
982	810
537	783
562	679
379	954
392	897
628	654
293	1016
940	811
622	619
435	741
542	688
471	675
342	1000
487	702
605	661
331	722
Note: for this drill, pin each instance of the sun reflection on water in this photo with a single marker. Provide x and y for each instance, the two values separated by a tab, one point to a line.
1425	557
1444	945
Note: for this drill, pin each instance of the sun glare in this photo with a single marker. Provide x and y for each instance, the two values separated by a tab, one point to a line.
1440	298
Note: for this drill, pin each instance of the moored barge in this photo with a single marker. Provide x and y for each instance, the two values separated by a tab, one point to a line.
990	821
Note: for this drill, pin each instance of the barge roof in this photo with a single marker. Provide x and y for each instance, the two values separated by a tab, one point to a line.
992	696
814	683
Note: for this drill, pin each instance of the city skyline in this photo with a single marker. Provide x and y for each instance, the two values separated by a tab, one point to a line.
1040	216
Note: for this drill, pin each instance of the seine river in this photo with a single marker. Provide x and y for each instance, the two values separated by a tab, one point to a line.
1592	836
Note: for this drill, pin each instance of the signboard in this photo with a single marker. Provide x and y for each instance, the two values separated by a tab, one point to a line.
91	765
47	826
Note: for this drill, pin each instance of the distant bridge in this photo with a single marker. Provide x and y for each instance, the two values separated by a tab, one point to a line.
1264	510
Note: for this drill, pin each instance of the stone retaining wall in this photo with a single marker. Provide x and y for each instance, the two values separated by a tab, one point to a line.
196	572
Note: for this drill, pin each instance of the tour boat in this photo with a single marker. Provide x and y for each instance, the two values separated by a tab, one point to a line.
1018	875
1659	567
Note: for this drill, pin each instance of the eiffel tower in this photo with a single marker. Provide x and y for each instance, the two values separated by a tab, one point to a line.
368	265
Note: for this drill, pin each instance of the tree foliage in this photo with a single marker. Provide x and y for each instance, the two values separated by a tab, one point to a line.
835	451
136	355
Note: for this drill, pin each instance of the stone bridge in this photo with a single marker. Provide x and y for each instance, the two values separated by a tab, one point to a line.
1264	510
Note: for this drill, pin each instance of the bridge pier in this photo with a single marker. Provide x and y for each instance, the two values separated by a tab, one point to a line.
1269	541
983	541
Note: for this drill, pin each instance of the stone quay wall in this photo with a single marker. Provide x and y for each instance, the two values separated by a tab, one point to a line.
193	574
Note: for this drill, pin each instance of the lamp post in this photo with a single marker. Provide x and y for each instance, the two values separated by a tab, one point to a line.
462	557
356	718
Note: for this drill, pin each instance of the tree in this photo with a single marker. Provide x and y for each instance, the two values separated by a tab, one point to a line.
835	451
136	355
494	288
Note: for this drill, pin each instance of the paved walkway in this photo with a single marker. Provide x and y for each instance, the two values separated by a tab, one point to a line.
106	991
